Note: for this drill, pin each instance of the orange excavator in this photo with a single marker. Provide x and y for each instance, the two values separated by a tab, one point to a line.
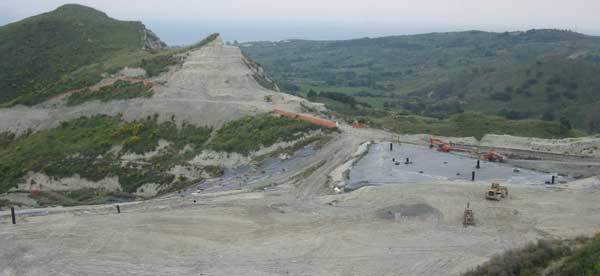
493	156
441	146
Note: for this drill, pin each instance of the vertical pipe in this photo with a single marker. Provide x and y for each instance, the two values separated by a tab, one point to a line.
391	146
12	213
478	164
473	176
407	160
118	209
553	178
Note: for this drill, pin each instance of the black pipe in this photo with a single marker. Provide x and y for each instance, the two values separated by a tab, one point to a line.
407	160
553	177
473	176
391	146
478	165
118	209
12	213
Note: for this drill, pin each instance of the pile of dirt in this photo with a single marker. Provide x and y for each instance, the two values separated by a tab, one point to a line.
408	211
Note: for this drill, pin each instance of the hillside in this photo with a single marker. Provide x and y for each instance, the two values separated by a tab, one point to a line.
580	256
538	74
42	50
131	119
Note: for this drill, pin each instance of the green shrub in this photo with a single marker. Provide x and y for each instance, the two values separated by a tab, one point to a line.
214	171
120	90
501	96
132	177
78	197
86	146
530	260
250	133
156	65
584	261
82	146
472	124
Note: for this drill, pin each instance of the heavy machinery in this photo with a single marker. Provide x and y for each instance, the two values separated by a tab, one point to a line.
441	146
493	156
468	217
496	192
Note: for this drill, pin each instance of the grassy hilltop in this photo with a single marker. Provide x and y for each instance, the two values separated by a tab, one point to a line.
40	50
71	48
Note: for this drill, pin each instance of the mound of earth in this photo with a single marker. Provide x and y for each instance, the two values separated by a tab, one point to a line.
408	211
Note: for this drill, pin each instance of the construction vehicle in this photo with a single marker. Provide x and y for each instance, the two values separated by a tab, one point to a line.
468	217
496	192
493	156
441	145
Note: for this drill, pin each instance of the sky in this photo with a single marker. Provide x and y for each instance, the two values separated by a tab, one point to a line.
180	22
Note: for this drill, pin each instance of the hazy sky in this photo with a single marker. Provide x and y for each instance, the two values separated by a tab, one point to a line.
180	22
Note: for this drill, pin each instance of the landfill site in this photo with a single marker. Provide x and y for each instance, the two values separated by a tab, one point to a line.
367	202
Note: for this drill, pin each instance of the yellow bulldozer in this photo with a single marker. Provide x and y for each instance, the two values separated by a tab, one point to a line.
496	192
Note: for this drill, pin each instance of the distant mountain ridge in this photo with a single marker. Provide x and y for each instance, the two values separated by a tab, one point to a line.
538	74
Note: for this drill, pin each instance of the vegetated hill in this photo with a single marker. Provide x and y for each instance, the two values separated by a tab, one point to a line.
538	74
580	256
119	127
39	52
107	149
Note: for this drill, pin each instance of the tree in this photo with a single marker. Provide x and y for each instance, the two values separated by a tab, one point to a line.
501	96
593	119
311	94
565	125
548	116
